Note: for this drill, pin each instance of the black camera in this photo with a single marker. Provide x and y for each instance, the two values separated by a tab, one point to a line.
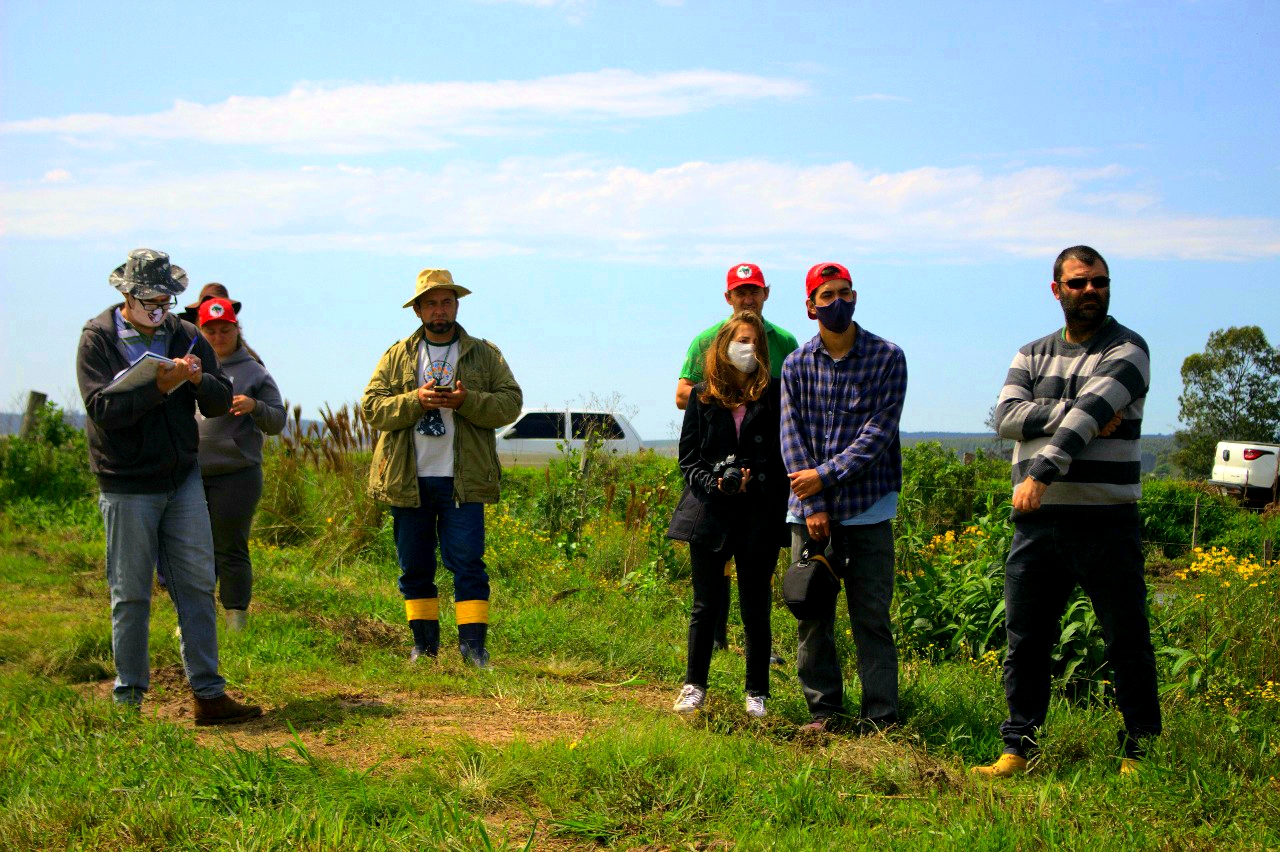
730	473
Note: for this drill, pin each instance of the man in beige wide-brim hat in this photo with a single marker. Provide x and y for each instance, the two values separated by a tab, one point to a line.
434	279
436	397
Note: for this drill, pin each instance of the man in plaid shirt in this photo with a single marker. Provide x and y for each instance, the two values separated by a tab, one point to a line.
842	395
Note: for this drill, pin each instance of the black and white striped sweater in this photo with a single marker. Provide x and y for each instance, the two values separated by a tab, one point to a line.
1058	396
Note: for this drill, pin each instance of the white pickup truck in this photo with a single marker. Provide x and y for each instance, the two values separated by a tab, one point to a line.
1247	470
539	433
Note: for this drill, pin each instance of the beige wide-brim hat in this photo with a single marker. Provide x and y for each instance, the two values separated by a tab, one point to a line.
436	279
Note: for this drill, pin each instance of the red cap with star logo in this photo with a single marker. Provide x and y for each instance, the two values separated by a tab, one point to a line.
217	309
745	273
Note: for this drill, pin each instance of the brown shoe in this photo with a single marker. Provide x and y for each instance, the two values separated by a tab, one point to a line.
224	710
819	725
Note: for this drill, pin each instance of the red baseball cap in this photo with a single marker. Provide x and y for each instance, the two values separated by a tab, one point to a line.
821	274
744	273
217	309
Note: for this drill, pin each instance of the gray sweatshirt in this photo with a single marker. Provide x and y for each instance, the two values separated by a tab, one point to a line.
230	443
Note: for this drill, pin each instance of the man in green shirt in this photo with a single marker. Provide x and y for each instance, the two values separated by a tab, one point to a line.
745	291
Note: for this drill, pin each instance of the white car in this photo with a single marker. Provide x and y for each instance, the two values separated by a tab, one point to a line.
1247	470
540	433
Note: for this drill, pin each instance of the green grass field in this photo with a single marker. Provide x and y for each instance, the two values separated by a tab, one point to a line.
567	742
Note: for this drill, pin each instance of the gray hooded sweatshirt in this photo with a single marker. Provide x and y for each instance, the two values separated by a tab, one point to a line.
230	443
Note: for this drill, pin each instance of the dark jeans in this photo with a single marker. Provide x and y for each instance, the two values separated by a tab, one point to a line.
233	498
867	552
1054	549
459	529
754	564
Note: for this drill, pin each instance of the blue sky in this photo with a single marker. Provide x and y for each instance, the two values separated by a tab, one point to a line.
591	170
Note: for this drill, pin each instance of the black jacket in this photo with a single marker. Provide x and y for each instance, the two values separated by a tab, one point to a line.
705	514
143	441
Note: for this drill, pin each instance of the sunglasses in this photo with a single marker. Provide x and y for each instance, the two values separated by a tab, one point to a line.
1099	282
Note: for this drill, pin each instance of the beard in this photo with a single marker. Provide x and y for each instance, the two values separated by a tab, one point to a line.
1086	309
440	327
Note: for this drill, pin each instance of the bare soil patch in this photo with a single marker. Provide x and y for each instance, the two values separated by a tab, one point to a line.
327	721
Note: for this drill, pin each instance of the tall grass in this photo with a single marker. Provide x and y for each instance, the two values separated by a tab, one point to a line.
568	741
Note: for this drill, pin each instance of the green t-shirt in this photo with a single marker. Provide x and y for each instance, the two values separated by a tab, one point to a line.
781	344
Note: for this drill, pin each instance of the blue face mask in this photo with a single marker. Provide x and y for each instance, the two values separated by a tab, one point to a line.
836	316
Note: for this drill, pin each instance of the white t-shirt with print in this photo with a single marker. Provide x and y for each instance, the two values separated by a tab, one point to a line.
434	453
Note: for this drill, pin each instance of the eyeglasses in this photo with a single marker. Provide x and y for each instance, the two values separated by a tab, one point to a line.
1099	282
153	304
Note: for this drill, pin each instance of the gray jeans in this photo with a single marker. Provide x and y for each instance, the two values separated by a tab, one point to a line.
867	552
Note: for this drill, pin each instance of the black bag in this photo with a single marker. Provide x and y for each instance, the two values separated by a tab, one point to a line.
810	586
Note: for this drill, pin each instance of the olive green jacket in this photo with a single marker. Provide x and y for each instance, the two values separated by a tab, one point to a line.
391	406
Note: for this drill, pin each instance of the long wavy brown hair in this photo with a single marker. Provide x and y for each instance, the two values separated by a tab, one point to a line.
725	383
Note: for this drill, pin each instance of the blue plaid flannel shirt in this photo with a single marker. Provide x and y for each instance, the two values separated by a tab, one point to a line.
841	418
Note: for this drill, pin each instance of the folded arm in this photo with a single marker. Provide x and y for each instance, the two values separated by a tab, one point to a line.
1122	376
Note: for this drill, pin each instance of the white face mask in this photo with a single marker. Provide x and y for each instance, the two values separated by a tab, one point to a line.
153	317
743	356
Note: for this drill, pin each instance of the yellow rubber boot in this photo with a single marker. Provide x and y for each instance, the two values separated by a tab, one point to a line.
1007	766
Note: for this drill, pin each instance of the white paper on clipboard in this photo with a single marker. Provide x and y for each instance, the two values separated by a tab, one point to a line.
137	374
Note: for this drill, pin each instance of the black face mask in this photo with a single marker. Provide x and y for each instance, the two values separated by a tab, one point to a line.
835	317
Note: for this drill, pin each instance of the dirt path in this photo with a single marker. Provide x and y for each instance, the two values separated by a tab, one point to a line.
321	715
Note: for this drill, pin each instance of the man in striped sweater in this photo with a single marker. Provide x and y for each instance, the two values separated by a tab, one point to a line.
1073	402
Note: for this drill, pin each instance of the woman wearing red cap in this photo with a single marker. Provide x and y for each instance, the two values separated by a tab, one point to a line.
231	455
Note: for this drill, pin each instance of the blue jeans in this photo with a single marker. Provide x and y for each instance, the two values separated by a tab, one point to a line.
1054	549
459	530
866	555
169	530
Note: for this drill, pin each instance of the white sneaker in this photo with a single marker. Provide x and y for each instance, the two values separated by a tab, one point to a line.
237	620
690	700
755	706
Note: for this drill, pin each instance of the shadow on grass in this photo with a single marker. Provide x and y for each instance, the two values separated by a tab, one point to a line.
306	714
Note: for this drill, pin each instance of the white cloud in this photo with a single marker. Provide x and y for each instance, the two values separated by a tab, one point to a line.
688	213
405	116
56	176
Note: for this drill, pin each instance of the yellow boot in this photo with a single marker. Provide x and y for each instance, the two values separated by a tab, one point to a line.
1130	766
1006	766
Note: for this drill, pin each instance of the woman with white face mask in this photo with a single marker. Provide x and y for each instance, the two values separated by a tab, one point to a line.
734	502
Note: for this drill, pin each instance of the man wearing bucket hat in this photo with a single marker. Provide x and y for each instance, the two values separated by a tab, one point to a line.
842	395
745	290
142	448
436	397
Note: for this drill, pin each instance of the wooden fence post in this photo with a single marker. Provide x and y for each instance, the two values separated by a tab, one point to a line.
1267	553
35	402
1195	523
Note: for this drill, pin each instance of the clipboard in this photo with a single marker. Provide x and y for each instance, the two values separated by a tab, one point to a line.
139	373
